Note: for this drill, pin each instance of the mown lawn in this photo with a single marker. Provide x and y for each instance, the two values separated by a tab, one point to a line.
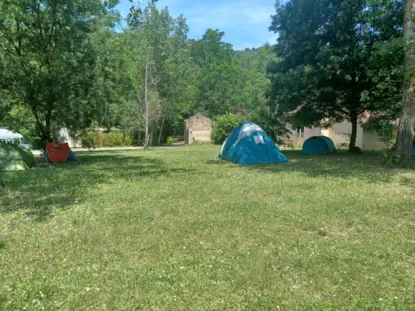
178	229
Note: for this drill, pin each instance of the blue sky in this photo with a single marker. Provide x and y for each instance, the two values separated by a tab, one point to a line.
245	22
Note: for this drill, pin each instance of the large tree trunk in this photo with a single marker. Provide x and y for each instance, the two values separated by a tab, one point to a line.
146	114
44	129
353	136
407	120
161	130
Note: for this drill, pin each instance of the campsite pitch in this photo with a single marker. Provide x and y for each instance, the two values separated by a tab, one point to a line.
179	229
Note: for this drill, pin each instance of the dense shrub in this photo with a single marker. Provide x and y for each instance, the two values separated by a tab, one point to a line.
128	140
100	138
87	141
170	140
223	126
95	139
115	139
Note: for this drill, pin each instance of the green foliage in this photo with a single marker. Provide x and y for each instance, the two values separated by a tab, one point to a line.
128	140
255	82
391	158
224	125
19	119
170	140
88	140
48	59
346	59
220	78
219	88
159	65
115	139
96	139
93	139
95	74
384	129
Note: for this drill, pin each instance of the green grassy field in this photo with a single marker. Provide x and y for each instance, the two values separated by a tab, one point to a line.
178	229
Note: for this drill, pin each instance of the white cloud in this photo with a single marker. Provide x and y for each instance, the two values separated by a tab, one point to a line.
245	22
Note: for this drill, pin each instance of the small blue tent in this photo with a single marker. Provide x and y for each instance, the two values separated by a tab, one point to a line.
318	145
248	144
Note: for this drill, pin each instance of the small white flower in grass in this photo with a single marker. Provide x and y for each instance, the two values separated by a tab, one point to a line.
42	294
396	297
182	268
380	299
36	301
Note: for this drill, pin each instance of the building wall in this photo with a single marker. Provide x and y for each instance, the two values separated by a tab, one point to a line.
298	137
340	134
372	141
198	129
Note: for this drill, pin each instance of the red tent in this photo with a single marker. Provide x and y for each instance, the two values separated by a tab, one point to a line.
58	153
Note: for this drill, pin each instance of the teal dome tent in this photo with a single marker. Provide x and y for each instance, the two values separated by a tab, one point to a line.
318	145
248	144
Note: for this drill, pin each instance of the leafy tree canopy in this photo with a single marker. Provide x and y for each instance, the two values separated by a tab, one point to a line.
344	60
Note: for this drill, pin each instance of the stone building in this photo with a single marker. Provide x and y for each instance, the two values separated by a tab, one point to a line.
340	133
197	129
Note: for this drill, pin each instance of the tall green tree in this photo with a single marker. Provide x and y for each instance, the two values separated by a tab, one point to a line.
48	61
253	65
343	61
160	56
219	80
177	75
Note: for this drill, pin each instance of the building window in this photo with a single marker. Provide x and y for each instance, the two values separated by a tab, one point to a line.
299	132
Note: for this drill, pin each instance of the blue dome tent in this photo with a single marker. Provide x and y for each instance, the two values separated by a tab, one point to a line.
248	144
318	145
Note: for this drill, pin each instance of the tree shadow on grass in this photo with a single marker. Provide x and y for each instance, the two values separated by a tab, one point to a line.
39	191
367	166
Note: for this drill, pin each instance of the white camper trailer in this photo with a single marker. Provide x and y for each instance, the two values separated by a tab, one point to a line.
10	137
